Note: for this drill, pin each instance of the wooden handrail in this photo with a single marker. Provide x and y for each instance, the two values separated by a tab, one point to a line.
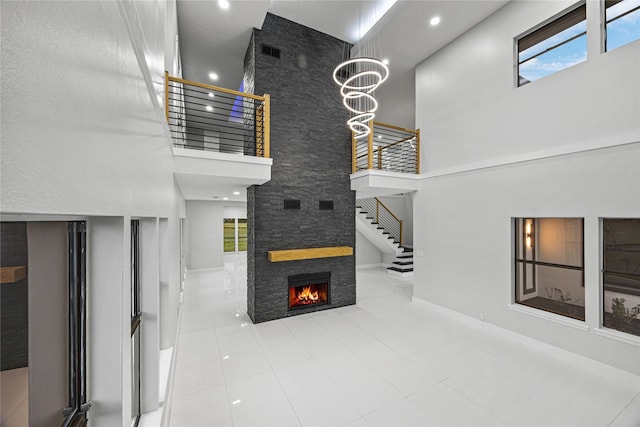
267	126
400	222
387	220
394	127
166	95
216	88
378	150
417	150
354	152
265	120
370	147
387	209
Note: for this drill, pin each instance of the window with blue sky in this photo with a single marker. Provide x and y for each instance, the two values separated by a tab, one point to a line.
623	22
562	42
557	45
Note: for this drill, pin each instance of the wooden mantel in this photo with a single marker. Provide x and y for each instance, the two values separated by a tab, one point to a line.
311	253
13	274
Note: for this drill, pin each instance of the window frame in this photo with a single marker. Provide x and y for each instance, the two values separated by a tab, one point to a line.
136	320
604	272
605	23
518	262
236	235
547	24
75	415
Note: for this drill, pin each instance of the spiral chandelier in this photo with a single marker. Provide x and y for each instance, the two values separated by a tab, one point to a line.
358	78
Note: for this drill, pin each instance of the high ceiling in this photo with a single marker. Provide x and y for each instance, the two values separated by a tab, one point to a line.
213	39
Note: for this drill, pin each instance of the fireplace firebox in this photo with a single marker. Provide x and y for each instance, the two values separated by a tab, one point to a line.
309	290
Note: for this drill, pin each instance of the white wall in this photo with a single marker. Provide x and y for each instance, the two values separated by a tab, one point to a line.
478	133
471	113
205	248
366	252
235	210
81	117
205	234
84	135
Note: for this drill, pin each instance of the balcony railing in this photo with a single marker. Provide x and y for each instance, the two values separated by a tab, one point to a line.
211	118
389	148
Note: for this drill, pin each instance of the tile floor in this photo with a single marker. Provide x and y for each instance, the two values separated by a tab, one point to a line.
383	362
14	398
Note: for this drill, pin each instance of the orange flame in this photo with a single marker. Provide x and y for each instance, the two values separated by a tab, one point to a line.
307	295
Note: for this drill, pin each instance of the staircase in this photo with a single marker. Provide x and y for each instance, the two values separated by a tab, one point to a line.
402	266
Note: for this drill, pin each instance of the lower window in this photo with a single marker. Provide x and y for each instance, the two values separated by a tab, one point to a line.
549	265
235	234
621	274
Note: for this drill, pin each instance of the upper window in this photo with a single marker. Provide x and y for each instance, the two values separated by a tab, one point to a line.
622	22
556	45
549	265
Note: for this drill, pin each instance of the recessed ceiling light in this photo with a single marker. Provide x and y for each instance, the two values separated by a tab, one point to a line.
236	193
225	198
211	95
209	108
213	76
379	136
385	61
435	20
224	4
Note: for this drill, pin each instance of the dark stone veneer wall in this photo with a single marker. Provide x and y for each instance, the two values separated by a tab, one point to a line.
311	151
14	313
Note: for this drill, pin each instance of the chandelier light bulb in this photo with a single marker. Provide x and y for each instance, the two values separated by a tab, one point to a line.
358	78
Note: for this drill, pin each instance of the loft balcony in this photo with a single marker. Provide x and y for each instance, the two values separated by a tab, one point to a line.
385	162
220	137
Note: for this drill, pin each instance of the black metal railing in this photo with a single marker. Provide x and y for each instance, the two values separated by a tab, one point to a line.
383	216
211	118
389	148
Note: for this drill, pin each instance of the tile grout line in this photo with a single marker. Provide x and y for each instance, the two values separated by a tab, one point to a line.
628	405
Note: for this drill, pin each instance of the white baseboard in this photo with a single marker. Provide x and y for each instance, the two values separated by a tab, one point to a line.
544	347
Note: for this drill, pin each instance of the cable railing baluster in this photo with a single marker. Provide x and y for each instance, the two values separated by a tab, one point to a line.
384	218
389	148
211	118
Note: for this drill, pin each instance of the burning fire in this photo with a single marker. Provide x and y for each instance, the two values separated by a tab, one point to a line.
306	296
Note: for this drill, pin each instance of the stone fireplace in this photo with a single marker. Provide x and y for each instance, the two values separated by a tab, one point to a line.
301	223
